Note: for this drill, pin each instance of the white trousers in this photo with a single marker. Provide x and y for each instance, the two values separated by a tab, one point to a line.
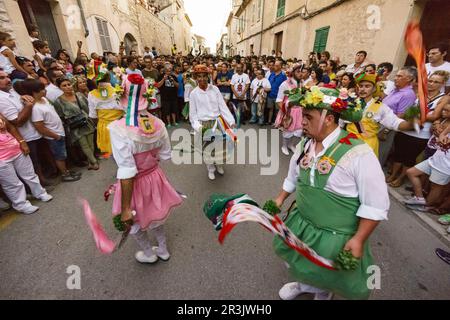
10	171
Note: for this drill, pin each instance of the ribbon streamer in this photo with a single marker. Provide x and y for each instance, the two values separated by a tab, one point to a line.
415	46
104	244
246	212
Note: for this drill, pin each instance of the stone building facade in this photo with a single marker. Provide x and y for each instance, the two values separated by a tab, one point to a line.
343	27
101	24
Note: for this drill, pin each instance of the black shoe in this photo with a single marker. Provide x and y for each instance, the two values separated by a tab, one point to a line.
444	255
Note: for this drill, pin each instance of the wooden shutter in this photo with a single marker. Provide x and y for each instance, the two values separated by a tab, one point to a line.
103	33
320	43
281	7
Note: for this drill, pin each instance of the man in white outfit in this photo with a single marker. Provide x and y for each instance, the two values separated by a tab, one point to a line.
206	106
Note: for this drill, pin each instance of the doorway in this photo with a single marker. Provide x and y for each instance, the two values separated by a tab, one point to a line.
130	43
278	42
39	13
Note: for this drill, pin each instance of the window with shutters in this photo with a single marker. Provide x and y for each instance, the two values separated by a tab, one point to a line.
320	44
280	8
259	10
103	33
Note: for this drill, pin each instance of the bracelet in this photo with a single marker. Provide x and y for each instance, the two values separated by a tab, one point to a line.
22	141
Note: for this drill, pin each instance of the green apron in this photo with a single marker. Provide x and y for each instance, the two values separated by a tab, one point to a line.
326	221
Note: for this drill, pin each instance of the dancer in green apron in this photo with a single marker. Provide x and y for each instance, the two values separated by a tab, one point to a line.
341	196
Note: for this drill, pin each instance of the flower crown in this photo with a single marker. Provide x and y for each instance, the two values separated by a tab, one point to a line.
341	102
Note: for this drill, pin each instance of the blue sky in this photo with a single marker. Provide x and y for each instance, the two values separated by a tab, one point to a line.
208	18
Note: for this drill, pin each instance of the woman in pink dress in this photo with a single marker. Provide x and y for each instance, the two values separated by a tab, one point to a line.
289	118
144	197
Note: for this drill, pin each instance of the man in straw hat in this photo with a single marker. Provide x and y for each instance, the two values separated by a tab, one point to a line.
341	198
210	117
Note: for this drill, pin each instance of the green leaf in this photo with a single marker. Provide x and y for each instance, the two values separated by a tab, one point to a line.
271	207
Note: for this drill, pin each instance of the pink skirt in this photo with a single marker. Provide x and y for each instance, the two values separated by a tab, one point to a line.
297	118
153	198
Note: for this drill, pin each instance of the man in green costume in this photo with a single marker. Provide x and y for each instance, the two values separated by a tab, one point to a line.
341	197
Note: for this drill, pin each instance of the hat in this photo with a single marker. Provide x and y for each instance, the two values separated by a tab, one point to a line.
201	68
373	79
215	207
349	107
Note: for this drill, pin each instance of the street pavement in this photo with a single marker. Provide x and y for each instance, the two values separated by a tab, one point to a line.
37	250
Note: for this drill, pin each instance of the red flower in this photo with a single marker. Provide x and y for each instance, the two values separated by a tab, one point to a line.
339	105
136	79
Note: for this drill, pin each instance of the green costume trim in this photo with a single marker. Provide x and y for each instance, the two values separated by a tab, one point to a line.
326	221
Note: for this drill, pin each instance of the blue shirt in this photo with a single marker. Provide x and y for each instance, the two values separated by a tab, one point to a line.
180	86
275	82
224	77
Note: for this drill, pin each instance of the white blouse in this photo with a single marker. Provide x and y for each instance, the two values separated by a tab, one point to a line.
357	174
207	105
101	104
124	149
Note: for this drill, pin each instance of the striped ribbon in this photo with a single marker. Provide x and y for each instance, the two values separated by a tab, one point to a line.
133	106
245	212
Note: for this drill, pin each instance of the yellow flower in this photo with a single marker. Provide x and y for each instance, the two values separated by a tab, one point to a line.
316	96
330	160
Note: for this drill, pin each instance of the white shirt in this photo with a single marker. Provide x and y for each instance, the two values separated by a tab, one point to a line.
149	54
46	112
207	105
124	148
385	116
5	63
256	84
444	67
268	73
95	104
353	69
284	87
42	57
188	88
389	87
440	161
239	82
357	174
10	107
53	93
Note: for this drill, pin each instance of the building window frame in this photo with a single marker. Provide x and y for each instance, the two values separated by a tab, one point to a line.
103	33
321	39
281	8
259	10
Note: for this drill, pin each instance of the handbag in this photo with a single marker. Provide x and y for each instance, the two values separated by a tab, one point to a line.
77	121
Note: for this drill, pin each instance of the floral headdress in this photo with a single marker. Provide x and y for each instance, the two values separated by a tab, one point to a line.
341	102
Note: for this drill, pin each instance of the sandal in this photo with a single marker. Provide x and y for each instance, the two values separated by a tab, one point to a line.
396	184
389	179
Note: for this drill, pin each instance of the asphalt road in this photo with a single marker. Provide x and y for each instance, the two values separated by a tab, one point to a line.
37	250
